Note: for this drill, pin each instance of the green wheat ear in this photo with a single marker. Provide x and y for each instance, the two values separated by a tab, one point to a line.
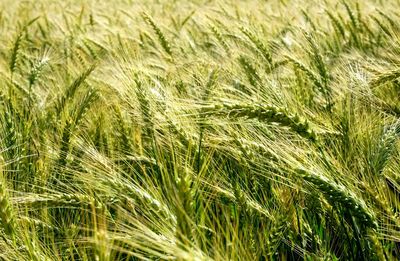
161	37
337	24
36	71
337	194
7	216
15	54
249	70
123	129
276	232
70	91
385	148
384	28
385	77
265	113
16	49
352	16
265	52
310	74
220	38
145	108
393	24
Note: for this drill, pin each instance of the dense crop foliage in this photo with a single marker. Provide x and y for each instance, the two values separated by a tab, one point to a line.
199	130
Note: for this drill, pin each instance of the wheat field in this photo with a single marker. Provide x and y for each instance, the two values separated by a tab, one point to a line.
199	130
